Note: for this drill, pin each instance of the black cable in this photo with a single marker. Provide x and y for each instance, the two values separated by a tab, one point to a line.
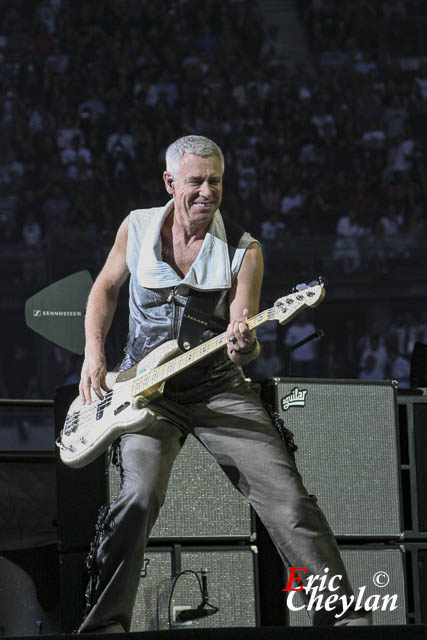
204	601
174	581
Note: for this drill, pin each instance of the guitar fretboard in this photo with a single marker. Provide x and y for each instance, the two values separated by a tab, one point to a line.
161	373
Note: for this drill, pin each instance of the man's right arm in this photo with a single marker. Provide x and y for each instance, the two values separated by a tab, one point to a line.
101	306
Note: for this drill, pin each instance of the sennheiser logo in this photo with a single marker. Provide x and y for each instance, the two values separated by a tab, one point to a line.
296	398
37	313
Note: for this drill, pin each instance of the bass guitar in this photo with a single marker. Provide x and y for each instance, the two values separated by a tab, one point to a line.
89	429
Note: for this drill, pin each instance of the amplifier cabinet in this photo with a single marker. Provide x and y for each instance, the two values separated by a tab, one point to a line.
413	438
348	454
375	572
28	513
79	492
232	587
416	568
232	582
201	503
73	582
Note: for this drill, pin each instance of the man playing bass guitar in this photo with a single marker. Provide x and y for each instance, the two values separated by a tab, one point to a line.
170	253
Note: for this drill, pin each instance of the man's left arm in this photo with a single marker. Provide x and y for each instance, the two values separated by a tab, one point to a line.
242	345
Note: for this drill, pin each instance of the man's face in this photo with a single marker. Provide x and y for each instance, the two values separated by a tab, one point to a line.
197	188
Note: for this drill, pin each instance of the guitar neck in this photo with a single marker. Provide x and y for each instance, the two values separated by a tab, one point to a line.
169	369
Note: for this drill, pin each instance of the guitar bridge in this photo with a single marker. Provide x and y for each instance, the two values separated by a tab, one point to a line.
71	423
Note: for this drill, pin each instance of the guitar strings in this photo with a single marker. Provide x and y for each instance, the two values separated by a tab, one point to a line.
83	420
90	411
217	342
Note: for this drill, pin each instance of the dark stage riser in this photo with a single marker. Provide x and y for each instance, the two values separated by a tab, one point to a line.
417	632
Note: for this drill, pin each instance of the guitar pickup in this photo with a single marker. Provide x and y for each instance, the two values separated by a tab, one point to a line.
122	407
103	405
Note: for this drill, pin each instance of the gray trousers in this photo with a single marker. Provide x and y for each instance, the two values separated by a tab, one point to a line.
237	430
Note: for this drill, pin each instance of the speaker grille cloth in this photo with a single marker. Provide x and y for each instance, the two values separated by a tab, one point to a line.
231	587
348	457
362	564
201	502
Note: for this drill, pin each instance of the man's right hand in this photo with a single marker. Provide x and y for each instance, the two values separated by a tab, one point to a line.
93	375
101	305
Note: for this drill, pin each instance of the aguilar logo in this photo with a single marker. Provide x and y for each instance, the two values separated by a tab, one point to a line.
296	398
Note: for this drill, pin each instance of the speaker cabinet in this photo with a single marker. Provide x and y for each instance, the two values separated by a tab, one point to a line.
80	492
413	439
416	565
27	427
232	581
73	582
348	455
201	503
27	501
376	573
232	587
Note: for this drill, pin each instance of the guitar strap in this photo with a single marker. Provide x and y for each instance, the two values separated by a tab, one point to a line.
201	304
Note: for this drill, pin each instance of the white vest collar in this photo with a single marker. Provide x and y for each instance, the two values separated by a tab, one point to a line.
210	271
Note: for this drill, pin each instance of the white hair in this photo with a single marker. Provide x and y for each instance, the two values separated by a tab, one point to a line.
197	145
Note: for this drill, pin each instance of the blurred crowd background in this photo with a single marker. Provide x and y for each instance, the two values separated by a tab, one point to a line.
326	162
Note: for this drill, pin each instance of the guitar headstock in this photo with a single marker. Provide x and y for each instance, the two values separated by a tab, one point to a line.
305	296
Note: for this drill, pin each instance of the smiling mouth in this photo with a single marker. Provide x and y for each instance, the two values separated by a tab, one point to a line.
202	205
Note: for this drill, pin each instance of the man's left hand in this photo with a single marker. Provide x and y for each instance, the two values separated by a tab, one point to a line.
239	336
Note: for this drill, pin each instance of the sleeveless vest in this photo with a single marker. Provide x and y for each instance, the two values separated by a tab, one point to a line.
158	295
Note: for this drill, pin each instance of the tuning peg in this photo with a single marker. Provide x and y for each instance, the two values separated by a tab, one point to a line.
300	287
322	280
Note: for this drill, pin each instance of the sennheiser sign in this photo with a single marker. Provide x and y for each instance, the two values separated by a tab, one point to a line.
57	312
38	313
